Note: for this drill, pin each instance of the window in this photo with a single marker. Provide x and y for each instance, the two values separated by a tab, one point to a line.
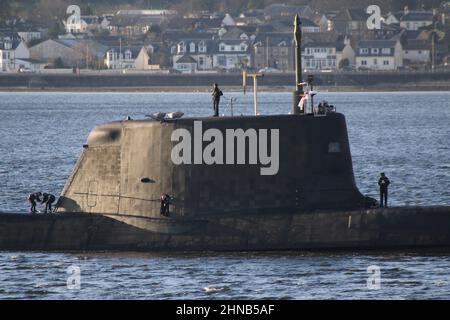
375	51
192	47
201	47
375	61
364	50
222	47
386	62
364	62
181	47
420	51
221	61
386	50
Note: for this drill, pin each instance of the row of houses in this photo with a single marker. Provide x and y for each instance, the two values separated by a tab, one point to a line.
196	53
256	39
320	51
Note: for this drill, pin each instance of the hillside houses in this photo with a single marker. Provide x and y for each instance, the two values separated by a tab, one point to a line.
219	41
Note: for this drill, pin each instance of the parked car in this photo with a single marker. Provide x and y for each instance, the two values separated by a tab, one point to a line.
269	70
25	70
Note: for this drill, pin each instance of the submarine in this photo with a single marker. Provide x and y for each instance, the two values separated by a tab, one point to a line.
235	183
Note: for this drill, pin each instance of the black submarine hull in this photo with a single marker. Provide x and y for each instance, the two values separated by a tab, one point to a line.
358	229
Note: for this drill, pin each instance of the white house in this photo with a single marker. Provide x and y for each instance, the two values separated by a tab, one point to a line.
75	25
185	64
211	54
129	57
379	55
200	50
232	54
327	55
414	20
417	52
11	48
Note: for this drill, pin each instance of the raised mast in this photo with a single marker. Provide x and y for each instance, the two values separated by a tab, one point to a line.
298	65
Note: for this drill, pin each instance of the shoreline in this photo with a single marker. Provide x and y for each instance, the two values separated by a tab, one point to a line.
200	89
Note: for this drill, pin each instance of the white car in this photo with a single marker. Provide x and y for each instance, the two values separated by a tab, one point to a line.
269	70
25	70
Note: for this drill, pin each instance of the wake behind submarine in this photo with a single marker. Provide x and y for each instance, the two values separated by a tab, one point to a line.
278	182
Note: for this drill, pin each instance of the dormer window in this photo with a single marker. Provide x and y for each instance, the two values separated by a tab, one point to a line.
375	50
181	47
128	55
201	46
192	47
364	50
222	47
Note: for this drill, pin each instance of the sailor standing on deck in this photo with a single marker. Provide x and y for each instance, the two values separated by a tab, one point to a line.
32	198
383	182
216	94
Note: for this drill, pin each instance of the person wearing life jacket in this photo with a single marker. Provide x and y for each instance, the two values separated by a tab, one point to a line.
32	199
48	199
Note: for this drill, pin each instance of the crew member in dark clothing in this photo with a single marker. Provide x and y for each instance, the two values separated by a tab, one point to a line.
32	198
383	182
48	199
165	202
216	94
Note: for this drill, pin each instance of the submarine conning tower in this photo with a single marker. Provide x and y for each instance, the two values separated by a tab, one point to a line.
244	164
127	165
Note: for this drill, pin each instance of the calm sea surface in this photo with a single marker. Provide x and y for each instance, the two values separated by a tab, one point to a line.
406	135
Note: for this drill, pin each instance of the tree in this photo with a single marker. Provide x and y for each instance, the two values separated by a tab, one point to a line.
58	63
255	4
55	30
203	5
5	13
344	63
